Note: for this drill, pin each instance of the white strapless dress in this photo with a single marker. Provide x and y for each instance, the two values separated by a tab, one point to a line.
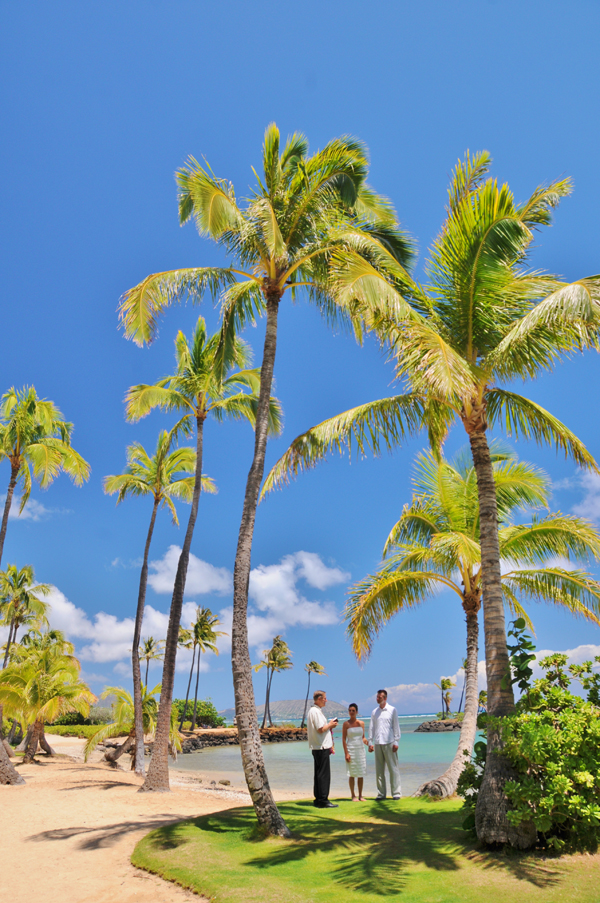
357	766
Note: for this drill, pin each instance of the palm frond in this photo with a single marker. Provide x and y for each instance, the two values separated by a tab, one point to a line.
575	590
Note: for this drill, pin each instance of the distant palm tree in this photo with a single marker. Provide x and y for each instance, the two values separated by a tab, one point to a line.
444	686
159	476
304	209
150	650
277	658
35	439
311	668
435	545
203	639
204	383
462	693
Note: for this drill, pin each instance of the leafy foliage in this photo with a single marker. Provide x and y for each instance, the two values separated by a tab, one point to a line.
553	743
206	713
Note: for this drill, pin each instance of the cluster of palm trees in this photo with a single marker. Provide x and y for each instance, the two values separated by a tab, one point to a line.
483	320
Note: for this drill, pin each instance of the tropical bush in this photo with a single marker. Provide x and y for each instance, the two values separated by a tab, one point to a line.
206	713
85	731
553	743
98	715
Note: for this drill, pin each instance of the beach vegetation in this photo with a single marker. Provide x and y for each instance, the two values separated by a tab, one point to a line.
206	713
552	740
311	668
150	650
277	658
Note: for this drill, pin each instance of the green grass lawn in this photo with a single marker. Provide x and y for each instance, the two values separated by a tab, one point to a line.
414	851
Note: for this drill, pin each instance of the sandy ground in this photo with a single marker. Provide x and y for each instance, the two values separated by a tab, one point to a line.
69	832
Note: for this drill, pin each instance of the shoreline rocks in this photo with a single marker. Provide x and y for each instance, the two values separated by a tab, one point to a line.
202	739
437	727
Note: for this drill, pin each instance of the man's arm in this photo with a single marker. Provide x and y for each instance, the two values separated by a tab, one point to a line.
395	728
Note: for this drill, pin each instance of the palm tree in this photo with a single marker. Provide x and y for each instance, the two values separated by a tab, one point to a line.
124	723
484	320
203	637
35	439
462	692
206	382
444	686
150	650
20	602
311	668
42	686
277	658
302	211
436	544
156	476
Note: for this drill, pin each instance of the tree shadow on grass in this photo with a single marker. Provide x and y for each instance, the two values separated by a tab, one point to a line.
376	855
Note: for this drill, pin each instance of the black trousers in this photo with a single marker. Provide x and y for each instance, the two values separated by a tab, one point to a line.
322	775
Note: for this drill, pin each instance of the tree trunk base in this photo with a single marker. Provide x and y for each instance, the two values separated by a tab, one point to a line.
441	788
8	748
8	773
491	822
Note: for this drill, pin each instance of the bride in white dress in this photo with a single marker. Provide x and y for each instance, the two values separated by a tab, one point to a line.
353	738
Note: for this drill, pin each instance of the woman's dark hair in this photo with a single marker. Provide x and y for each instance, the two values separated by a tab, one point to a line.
353	706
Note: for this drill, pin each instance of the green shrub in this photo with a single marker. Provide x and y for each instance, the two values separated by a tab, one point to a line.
72	730
206	713
97	715
553	742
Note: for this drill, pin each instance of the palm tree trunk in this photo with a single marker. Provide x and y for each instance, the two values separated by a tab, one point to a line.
303	722
135	652
14	472
123	748
196	693
11	638
267	813
187	695
45	745
8	772
491	821
147	667
158	772
34	737
269	699
445	785
267	688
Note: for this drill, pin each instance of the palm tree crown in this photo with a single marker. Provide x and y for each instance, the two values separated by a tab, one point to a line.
36	441
20	601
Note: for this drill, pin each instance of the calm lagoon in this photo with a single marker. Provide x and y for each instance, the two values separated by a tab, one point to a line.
290	765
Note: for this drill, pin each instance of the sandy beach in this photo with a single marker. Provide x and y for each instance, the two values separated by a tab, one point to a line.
69	832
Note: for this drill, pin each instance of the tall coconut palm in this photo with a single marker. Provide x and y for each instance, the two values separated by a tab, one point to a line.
277	658
436	545
150	650
311	668
124	723
159	476
206	383
281	241
36	441
444	686
483	321
42	686
203	638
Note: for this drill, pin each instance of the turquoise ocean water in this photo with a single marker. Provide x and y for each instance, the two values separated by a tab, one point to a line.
290	765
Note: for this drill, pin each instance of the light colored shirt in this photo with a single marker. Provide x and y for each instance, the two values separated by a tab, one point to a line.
317	719
384	727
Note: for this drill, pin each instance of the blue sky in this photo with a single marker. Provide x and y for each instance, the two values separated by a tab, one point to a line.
101	103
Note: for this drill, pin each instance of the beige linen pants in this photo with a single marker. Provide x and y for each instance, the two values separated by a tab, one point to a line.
385	755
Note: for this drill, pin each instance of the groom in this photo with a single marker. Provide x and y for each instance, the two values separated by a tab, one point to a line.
320	741
384	734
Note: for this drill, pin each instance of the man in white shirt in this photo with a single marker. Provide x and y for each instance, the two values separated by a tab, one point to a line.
384	734
320	741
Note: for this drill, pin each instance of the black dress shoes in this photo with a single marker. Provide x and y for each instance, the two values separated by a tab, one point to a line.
329	805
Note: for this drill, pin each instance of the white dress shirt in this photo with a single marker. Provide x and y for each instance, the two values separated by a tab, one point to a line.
317	719
384	727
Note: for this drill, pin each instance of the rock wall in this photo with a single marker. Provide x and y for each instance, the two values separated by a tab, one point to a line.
229	737
436	727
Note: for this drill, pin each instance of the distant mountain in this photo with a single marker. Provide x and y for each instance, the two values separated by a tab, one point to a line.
291	710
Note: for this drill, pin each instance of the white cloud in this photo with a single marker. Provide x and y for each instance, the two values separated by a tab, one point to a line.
33	511
202	577
316	573
589	506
